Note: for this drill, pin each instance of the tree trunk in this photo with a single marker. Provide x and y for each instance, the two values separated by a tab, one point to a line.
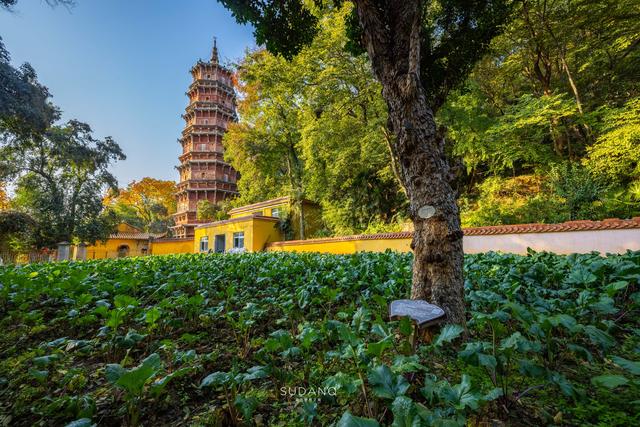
437	239
301	218
419	151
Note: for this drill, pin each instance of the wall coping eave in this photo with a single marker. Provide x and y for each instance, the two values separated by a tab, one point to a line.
133	236
173	239
263	204
267	203
582	225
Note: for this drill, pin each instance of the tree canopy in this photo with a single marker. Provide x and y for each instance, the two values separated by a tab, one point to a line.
60	177
315	126
147	204
59	171
24	104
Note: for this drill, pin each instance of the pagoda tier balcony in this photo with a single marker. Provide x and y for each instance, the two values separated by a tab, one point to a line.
224	116
202	156
199	131
219	71
218	121
211	146
211	84
191	223
206	185
210	161
209	106
188	215
202	129
190	163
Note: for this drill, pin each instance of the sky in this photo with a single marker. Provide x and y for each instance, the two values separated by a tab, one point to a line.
122	66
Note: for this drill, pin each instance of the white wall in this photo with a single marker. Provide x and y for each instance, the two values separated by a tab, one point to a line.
604	241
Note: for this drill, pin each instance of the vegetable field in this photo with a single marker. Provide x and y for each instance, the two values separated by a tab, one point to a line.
285	339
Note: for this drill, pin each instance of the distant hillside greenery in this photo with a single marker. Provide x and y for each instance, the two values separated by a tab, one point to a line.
548	125
546	129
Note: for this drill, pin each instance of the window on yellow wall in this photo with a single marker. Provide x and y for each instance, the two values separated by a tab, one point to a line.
238	240
204	244
275	212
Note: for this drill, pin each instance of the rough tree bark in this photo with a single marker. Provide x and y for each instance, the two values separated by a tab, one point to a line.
419	150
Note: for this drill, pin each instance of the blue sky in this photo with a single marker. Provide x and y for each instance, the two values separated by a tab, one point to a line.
123	67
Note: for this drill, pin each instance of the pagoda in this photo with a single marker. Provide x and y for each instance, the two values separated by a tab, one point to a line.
204	175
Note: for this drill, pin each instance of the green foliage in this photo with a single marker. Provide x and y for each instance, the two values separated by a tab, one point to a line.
519	200
146	204
350	420
133	380
16	230
578	188
549	93
315	127
24	103
385	384
222	335
615	156
207	211
568	191
453	35
284	27
60	178
59	172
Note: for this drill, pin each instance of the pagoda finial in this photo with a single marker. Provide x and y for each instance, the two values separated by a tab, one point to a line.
214	52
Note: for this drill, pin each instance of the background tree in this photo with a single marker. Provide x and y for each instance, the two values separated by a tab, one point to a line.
8	4
322	113
4	197
265	145
146	204
419	51
24	105
344	134
16	231
207	211
58	172
60	178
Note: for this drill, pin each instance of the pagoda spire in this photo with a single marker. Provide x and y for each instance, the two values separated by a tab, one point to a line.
214	52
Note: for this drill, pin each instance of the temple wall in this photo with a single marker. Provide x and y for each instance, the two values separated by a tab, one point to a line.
603	241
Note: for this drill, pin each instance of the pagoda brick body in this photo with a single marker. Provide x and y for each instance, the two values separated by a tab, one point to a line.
204	175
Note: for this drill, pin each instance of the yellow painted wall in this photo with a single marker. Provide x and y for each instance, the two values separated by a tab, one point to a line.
603	241
109	249
264	232
171	246
312	214
342	246
257	233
